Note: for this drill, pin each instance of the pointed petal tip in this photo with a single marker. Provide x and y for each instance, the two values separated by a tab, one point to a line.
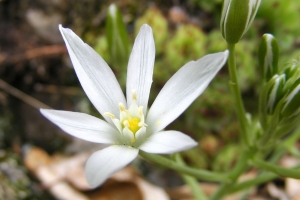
193	144
226	54
112	9
44	111
61	28
146	27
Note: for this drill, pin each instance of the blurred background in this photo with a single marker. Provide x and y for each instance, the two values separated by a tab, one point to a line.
35	72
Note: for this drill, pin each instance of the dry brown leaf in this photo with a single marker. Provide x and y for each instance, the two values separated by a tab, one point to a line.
41	165
276	192
65	179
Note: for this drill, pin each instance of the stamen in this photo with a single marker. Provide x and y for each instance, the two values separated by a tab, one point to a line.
142	124
131	120
108	114
141	110
126	124
134	95
122	107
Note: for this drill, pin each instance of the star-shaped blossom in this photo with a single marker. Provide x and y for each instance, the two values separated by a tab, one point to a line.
128	125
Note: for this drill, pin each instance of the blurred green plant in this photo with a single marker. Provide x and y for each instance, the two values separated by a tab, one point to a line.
208	5
117	37
154	18
214	109
187	44
281	18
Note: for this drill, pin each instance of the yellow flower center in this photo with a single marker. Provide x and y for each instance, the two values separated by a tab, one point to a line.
131	123
134	124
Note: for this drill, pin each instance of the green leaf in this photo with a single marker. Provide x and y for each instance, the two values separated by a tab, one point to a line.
117	37
285	172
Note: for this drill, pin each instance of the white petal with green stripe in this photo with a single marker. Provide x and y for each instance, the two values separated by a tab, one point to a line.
237	16
268	54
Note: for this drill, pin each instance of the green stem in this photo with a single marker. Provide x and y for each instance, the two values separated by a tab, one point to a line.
238	169
267	139
191	181
254	182
286	128
197	173
263	178
266	175
235	90
292	173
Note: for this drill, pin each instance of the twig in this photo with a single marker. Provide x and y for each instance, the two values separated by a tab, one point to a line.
32	53
54	89
22	96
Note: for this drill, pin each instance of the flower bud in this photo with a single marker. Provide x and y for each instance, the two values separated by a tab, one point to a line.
292	74
237	16
291	104
290	71
268	54
274	92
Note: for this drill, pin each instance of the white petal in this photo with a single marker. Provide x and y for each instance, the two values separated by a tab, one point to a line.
140	67
167	142
128	136
141	135
105	162
83	126
95	76
182	89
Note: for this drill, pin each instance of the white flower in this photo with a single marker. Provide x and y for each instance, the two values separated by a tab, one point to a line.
129	126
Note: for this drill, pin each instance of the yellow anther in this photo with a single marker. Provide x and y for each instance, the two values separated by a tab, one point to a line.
134	95
108	114
122	107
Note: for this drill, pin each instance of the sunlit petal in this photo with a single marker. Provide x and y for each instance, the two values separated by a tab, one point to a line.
83	126
95	76
182	89
105	162
167	142
140	67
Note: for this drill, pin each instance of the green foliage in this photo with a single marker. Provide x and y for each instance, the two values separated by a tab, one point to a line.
226	158
117	37
281	18
272	93
291	101
187	44
101	46
208	5
154	18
